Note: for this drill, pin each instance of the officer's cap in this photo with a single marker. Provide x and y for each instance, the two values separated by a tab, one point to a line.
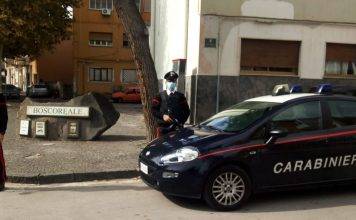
171	76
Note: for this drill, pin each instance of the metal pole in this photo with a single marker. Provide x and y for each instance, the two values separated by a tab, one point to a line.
218	71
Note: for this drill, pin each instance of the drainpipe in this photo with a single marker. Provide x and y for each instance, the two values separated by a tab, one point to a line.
196	77
187	20
196	96
218	73
153	29
186	28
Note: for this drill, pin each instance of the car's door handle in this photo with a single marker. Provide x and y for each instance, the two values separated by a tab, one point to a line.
253	152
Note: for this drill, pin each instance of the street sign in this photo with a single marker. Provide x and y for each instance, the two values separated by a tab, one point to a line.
73	130
58	111
210	42
24	127
41	129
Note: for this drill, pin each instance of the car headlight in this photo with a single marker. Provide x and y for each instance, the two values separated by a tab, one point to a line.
184	154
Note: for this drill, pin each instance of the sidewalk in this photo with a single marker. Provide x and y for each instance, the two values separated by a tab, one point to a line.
114	156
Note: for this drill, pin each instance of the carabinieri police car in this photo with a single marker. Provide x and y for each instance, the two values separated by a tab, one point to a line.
262	144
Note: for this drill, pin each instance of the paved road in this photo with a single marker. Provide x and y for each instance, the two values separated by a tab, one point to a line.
130	199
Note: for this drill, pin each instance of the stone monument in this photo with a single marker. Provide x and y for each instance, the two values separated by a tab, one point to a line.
85	117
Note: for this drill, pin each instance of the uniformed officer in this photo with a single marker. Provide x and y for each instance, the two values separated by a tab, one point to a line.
3	126
170	107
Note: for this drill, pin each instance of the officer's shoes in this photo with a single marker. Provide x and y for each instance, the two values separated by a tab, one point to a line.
2	187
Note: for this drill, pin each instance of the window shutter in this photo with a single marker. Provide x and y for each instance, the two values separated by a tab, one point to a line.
100	36
270	53
340	52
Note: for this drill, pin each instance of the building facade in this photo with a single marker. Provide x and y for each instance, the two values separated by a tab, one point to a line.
18	72
51	67
54	66
237	49
103	61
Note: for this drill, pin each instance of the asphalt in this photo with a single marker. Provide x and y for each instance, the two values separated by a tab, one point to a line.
114	156
131	199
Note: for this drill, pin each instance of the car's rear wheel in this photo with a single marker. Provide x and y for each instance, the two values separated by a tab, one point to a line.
227	188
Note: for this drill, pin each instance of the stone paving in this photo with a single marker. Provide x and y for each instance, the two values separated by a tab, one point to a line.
113	156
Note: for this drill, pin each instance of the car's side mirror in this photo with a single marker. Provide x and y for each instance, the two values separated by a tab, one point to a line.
276	134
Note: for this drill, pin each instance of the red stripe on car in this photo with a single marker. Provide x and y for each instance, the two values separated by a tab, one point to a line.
240	148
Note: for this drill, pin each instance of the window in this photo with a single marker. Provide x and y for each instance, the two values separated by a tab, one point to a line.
299	118
100	39
342	113
129	76
147	6
100	4
100	74
138	4
125	41
270	56
340	59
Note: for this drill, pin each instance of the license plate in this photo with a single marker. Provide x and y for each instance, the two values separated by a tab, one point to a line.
144	168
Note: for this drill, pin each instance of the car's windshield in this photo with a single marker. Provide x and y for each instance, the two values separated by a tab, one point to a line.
238	117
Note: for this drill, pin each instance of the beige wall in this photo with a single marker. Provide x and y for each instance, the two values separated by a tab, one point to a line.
170	44
313	10
102	87
86	21
194	38
225	59
86	56
56	65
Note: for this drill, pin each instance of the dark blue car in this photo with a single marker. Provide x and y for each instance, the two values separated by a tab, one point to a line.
274	142
11	91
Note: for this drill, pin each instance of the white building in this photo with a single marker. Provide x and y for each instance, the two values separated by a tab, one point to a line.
237	49
18	72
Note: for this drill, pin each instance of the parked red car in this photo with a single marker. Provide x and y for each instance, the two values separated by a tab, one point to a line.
129	95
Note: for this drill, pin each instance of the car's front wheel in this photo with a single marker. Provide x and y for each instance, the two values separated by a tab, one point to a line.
227	188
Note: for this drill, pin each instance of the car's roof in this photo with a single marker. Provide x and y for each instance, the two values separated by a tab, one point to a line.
281	98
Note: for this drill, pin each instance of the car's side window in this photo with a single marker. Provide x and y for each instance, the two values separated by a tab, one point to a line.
299	118
343	113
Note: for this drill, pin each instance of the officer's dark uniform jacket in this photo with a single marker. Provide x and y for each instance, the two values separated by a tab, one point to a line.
175	105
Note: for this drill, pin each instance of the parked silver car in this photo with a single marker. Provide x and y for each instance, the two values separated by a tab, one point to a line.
39	91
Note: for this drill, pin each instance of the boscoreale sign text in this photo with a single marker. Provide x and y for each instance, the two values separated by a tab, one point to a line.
57	111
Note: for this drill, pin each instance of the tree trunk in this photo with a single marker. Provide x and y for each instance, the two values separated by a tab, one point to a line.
137	33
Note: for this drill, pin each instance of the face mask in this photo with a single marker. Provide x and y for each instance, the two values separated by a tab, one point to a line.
171	86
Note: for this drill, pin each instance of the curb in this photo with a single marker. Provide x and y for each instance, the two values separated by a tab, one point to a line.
73	177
